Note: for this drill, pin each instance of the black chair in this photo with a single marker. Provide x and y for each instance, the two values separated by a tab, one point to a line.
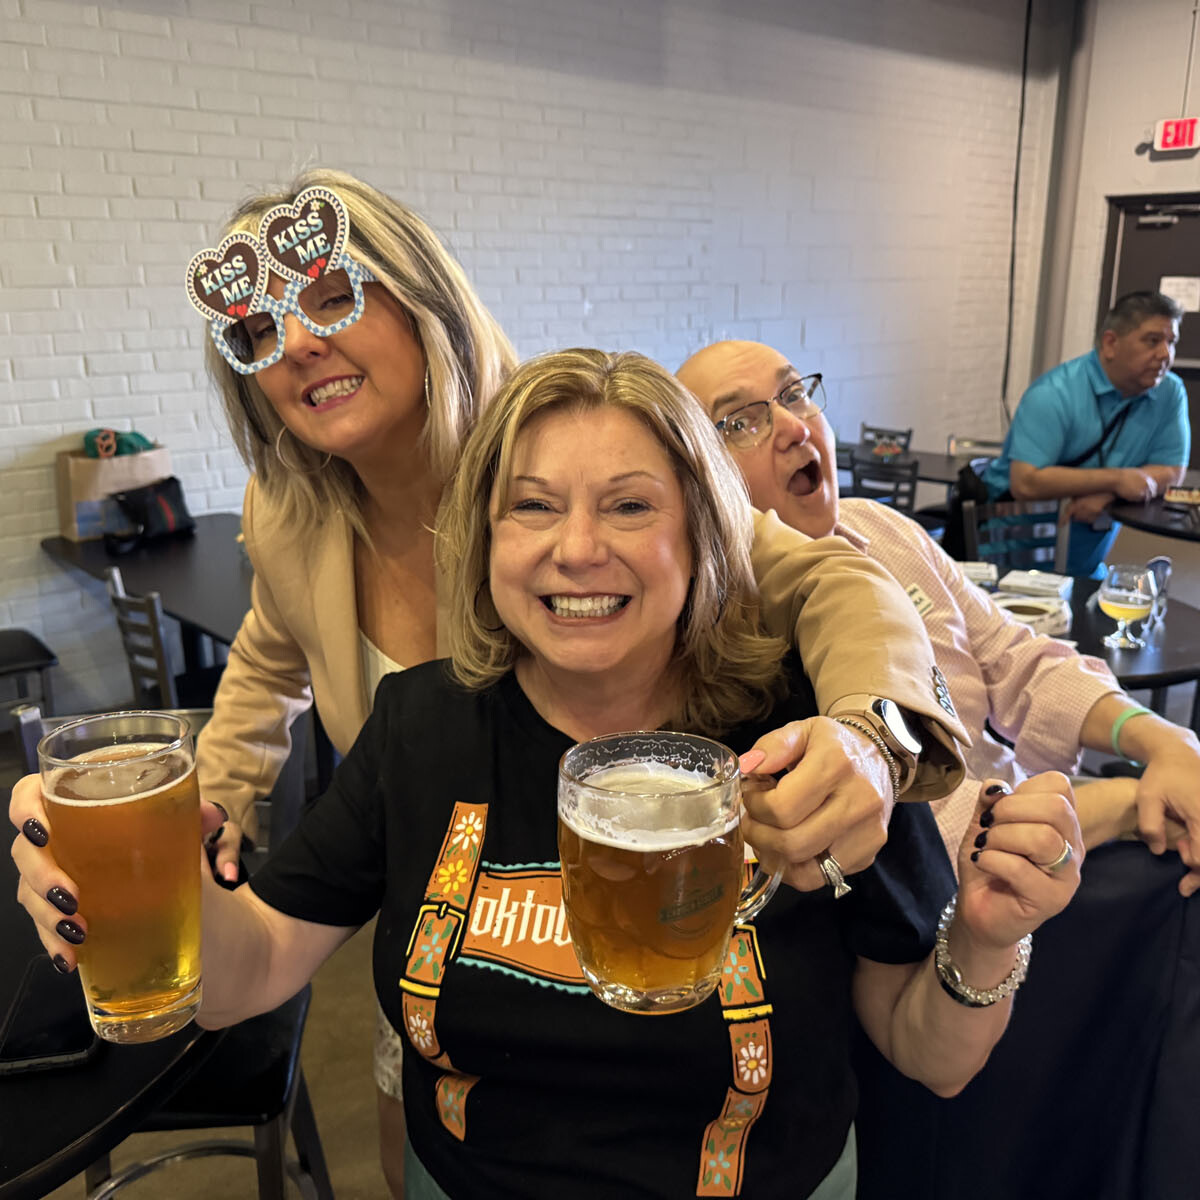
868	435
22	655
980	451
142	625
1015	534
889	483
253	1078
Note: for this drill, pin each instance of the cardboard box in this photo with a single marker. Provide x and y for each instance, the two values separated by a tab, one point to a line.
84	485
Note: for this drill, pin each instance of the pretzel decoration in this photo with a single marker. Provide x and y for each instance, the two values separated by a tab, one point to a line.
228	283
302	240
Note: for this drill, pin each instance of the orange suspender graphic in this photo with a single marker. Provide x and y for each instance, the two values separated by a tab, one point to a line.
435	941
746	1011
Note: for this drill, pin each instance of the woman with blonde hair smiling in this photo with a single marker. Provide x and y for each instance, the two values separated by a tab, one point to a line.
598	542
353	358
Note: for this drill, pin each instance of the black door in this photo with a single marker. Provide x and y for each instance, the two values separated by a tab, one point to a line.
1149	237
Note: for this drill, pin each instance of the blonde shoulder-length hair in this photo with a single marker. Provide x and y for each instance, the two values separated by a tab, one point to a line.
466	352
728	669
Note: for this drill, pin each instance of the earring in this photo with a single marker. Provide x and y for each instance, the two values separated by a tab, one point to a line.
428	402
287	466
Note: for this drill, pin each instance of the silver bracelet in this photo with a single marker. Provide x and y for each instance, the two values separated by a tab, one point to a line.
950	977
888	757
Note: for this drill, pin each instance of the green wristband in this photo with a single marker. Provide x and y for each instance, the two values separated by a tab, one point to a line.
1119	724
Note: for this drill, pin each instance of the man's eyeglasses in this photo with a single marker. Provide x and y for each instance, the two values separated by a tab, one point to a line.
750	424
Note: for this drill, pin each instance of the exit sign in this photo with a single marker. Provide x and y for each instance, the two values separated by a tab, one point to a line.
1177	134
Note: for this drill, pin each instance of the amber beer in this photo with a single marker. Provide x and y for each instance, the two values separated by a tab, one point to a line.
125	825
652	864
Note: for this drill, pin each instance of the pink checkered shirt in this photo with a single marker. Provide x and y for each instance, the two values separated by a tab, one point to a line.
1035	690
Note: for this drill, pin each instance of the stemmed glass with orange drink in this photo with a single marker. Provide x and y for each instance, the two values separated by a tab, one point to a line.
1127	595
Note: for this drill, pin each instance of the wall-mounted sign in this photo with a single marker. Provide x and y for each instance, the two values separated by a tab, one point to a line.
1179	133
1183	289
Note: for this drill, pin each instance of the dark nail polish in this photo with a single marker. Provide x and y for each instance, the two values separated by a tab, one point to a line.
981	839
63	901
60	964
995	789
974	855
36	832
214	837
986	818
222	810
70	932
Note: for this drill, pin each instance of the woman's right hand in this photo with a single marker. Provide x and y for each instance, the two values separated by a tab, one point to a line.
224	847
46	892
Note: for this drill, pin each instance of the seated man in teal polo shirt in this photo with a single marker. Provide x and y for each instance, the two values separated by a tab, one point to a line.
1112	423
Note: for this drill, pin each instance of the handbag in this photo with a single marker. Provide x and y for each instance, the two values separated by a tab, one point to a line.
156	510
968	486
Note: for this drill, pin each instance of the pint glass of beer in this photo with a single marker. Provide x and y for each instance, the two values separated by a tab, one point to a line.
124	812
650	841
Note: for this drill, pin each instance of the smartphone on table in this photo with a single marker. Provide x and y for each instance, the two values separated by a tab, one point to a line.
46	1025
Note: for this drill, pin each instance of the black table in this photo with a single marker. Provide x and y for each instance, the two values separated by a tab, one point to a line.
56	1123
933	466
1171	654
204	578
1175	521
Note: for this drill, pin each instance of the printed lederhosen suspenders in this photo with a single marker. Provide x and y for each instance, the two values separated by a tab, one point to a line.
746	1011
436	939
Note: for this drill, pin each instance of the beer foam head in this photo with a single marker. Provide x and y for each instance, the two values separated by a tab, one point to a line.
650	806
649	779
102	777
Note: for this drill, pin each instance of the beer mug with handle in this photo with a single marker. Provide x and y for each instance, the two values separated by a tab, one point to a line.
124	812
650	841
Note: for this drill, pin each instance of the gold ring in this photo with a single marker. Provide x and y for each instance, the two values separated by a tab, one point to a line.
1060	862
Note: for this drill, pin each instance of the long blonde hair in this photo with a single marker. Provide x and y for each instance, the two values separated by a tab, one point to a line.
729	669
466	351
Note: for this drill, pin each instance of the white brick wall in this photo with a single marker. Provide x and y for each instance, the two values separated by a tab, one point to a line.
833	178
1147	43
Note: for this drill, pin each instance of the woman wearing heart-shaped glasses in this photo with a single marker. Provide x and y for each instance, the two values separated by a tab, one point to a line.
353	358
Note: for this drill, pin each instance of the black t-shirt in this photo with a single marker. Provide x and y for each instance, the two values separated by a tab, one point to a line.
517	1081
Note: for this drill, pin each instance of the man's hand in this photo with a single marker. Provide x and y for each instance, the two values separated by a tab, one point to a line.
835	797
1087	508
1169	789
1135	485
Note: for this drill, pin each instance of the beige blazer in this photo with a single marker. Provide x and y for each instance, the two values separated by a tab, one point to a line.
856	630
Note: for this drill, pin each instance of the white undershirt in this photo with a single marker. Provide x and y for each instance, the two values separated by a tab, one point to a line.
375	665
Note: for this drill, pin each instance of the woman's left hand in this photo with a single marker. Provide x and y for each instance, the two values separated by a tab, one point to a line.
836	798
1006	885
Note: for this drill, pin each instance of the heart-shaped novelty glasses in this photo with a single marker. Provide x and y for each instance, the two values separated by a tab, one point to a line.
303	243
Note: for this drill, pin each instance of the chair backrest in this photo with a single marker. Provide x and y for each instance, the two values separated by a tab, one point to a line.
891	483
973	447
143	634
1016	534
31	726
868	435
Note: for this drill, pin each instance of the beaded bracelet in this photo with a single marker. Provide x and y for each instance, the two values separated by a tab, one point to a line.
888	757
1119	724
950	977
